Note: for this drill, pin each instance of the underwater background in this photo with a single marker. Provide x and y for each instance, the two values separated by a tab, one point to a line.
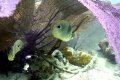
88	56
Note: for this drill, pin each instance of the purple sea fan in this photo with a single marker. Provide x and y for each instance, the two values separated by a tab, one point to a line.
7	7
109	16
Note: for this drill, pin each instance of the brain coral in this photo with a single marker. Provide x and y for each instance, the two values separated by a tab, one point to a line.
76	57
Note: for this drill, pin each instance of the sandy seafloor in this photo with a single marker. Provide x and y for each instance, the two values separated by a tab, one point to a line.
103	69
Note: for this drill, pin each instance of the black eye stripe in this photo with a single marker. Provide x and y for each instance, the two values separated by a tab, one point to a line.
69	29
18	45
58	26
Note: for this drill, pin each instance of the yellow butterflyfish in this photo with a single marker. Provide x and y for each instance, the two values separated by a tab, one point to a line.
15	49
62	30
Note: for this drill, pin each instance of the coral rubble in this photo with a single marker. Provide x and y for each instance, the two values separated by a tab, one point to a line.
76	57
107	49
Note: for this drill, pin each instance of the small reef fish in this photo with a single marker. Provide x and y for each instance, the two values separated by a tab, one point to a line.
62	30
15	49
37	4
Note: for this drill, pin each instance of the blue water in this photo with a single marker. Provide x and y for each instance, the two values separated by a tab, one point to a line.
115	1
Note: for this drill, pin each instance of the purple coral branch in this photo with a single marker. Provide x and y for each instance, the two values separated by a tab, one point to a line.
109	17
44	33
7	7
8	30
21	29
67	7
49	23
59	9
52	8
47	44
43	39
51	18
25	18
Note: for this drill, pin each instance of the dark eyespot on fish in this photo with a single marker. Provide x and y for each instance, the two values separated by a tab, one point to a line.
62	30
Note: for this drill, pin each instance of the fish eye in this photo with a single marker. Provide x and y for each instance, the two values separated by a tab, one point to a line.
18	45
59	26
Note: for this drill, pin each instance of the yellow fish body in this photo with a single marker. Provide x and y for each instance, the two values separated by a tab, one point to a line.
15	49
62	30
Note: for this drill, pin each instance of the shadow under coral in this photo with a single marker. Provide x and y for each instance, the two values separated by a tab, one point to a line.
6	65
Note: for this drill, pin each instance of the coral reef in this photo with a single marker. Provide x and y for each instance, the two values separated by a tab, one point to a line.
107	49
76	57
39	41
109	17
38	69
38	32
9	26
39	29
64	63
42	20
7	65
41	69
49	12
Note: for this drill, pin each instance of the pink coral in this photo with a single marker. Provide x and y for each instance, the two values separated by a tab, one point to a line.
7	7
109	16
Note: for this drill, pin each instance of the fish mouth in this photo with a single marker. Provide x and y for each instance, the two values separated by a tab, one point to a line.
10	59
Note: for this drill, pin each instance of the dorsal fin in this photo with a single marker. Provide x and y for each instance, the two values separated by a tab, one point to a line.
78	26
81	23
